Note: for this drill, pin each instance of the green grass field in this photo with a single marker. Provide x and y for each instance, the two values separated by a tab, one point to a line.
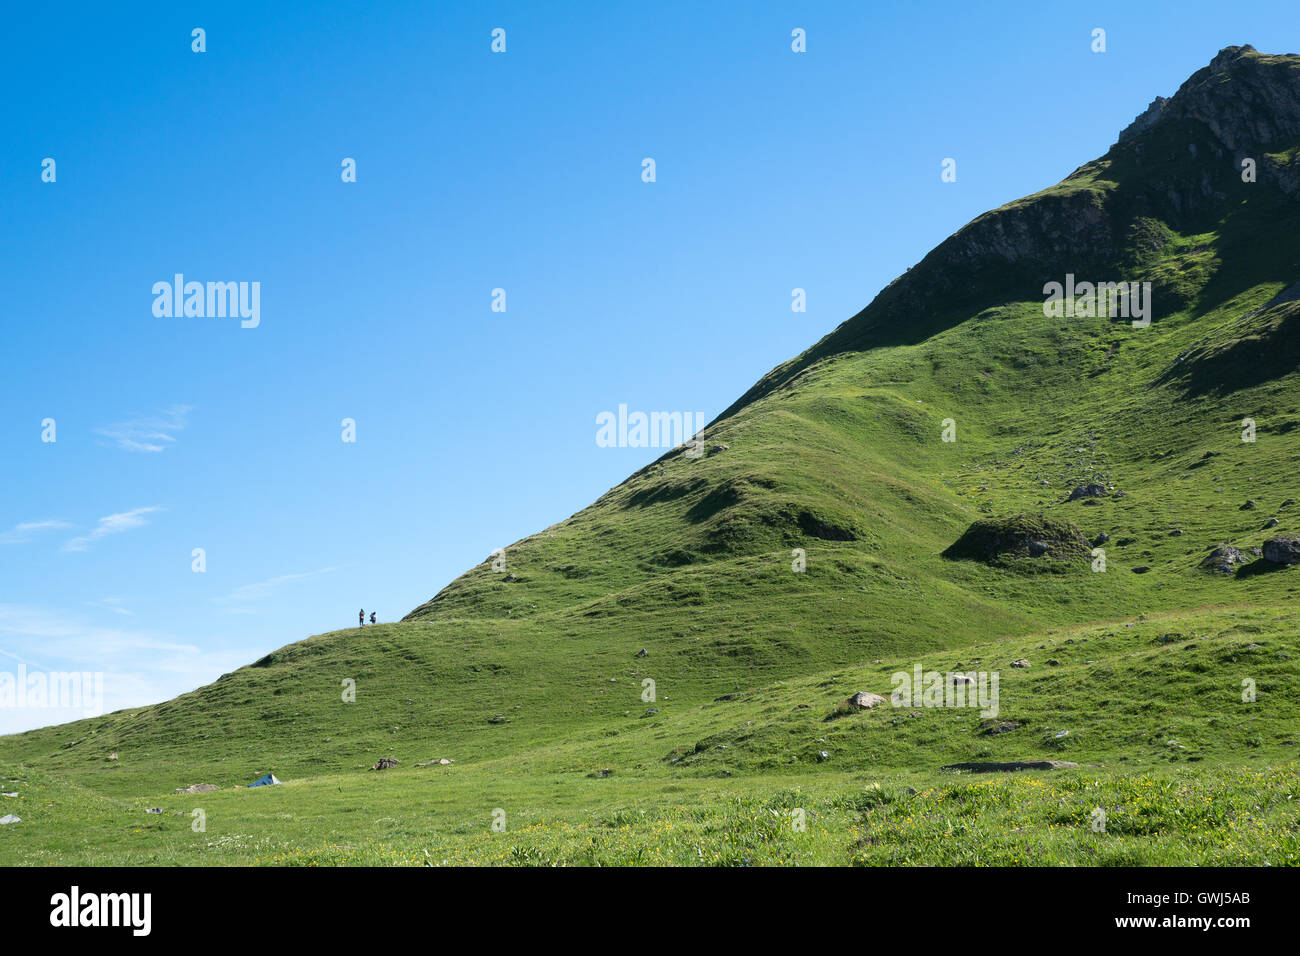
1176	687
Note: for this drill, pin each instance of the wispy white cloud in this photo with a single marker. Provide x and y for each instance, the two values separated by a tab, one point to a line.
114	604
110	524
251	592
149	433
139	666
26	530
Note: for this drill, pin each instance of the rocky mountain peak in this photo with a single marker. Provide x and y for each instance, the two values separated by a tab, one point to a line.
1245	99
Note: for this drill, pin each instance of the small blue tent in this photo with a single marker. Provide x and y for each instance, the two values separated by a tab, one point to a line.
266	781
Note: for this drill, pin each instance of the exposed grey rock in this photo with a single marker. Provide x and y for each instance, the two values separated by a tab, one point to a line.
1222	559
994	728
1146	119
1087	491
864	701
1282	550
1020	663
1244	101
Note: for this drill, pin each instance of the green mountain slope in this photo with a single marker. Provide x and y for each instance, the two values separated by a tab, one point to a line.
533	675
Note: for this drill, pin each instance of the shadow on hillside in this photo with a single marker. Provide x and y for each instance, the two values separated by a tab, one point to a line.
1265	347
1259	566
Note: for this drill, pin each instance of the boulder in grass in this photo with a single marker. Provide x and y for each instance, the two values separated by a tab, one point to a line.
863	701
1020	663
994	728
1282	550
1222	559
385	763
1087	491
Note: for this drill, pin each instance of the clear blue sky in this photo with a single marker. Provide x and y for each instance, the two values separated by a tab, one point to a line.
475	170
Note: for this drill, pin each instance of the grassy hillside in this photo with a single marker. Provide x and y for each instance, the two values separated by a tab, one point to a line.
531	679
1186	771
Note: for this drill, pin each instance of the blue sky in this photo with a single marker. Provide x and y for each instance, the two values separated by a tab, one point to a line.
475	171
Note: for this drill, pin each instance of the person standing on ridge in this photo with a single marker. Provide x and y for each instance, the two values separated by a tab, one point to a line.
361	618
372	617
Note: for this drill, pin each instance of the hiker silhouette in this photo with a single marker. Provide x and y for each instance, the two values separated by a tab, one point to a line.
361	617
372	617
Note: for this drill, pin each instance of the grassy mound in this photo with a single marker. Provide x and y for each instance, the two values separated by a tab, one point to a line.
994	540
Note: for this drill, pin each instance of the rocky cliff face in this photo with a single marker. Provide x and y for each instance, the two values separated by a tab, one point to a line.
1245	104
1246	99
